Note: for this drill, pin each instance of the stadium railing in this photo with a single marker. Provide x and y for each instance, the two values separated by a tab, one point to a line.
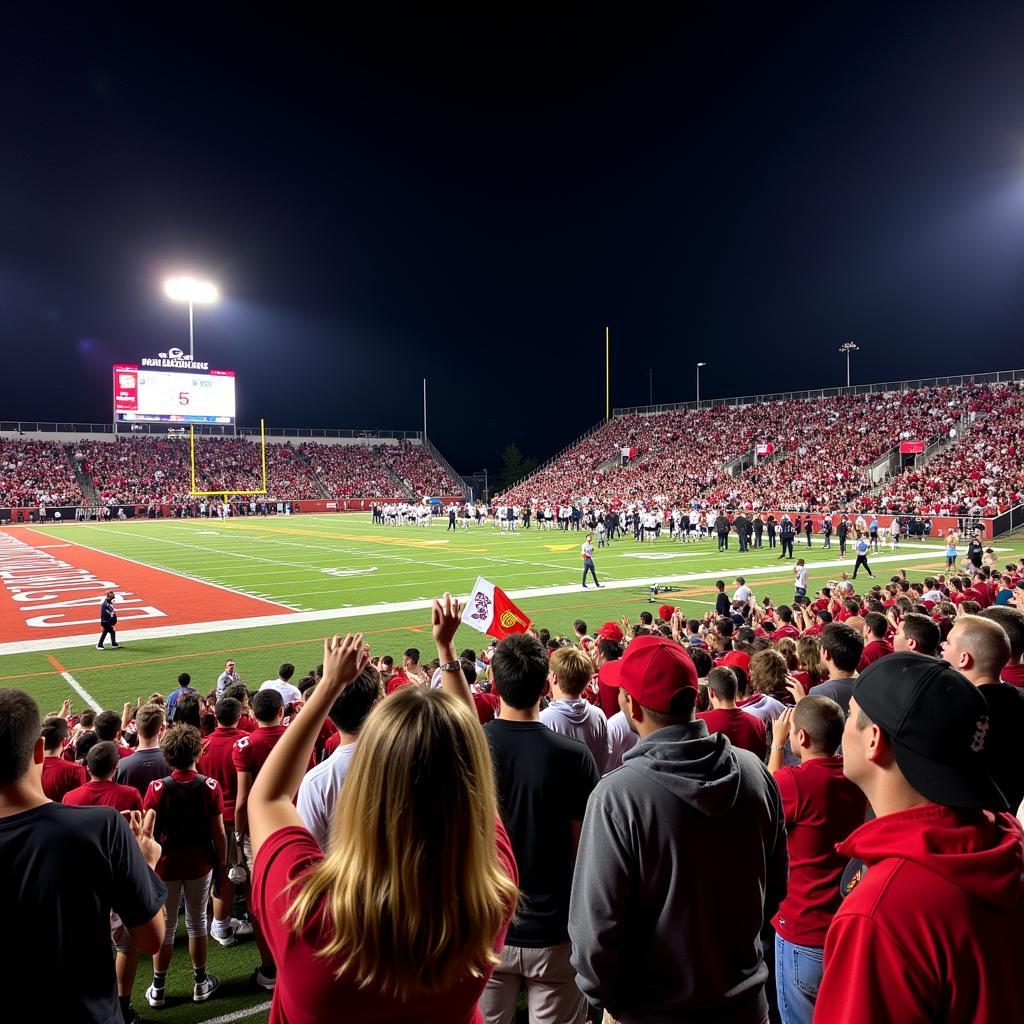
1007	522
446	465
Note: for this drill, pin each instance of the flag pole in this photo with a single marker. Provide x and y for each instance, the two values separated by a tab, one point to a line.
607	375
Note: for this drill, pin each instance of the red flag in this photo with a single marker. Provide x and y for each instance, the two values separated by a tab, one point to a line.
490	610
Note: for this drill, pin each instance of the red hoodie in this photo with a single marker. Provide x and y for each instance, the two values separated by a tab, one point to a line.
934	929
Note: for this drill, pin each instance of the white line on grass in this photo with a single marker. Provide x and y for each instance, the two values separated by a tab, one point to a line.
384	607
81	691
250	1011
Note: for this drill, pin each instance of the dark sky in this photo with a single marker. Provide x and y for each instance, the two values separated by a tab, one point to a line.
472	199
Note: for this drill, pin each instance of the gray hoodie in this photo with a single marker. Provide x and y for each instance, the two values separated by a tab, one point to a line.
682	859
581	721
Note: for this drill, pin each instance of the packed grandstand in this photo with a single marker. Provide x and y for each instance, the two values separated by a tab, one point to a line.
824	454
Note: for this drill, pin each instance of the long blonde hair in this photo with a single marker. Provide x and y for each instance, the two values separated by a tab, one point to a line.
412	893
810	658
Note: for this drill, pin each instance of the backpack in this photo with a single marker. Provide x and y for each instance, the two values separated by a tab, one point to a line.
180	825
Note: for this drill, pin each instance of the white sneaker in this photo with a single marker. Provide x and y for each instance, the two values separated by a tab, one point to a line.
202	990
154	1000
263	981
234	930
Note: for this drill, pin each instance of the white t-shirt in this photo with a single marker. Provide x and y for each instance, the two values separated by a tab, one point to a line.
744	594
587	549
801	576
288	692
319	792
621	738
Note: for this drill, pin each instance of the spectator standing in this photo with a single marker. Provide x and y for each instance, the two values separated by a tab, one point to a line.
978	649
821	807
743	730
60	776
917	634
862	548
48	851
841	649
404	918
320	791
147	763
569	673
184	686
217	762
649	944
932	931
283	685
227	678
543	822
108	620
1012	621
587	551
190	826
876	629
101	790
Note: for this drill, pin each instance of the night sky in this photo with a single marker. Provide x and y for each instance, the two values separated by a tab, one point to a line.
472	199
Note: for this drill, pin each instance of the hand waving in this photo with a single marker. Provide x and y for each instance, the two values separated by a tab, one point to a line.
344	658
142	828
445	617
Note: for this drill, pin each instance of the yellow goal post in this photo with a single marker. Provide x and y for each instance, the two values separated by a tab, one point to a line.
222	493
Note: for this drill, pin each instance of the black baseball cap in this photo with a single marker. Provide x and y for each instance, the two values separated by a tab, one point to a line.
937	722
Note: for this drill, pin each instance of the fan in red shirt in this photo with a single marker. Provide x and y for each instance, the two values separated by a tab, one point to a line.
876	628
217	762
743	730
933	929
419	814
1012	621
608	647
821	808
410	674
101	790
59	776
785	627
190	829
108	727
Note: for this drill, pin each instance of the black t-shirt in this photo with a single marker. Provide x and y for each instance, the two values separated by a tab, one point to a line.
1002	744
63	870
142	768
544	781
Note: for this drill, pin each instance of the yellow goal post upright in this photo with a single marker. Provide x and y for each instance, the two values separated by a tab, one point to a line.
222	493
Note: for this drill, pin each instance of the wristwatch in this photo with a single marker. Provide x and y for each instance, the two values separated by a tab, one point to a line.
451	666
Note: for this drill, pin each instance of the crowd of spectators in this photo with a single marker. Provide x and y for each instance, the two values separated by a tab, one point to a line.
537	816
34	473
351	471
417	468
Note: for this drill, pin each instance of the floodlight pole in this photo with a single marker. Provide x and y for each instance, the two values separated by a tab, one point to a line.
848	347
699	365
607	374
191	333
424	409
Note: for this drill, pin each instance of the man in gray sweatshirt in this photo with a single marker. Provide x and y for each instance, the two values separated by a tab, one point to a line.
682	859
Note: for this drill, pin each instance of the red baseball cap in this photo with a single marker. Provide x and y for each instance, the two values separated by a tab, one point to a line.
665	612
611	631
736	659
652	671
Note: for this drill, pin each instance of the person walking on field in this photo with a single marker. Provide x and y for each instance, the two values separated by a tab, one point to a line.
587	550
108	620
862	556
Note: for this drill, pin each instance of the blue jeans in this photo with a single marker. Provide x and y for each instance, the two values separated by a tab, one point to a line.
798	971
588	567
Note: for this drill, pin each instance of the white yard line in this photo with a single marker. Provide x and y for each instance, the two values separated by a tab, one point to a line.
250	1011
81	691
384	607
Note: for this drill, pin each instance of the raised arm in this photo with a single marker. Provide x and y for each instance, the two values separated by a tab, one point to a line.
269	805
445	617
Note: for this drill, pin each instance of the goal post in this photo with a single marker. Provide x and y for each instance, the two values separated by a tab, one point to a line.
226	493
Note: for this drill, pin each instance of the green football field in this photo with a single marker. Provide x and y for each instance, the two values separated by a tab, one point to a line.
336	573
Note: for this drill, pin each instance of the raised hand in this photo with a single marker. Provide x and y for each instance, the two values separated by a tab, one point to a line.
780	727
445	617
142	828
344	658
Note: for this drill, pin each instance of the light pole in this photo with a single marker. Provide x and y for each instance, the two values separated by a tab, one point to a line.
848	347
699	365
188	289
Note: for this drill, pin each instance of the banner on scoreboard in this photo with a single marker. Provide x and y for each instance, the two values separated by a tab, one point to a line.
911	447
761	450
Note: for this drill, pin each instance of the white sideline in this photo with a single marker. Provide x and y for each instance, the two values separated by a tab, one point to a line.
81	691
383	608
249	1011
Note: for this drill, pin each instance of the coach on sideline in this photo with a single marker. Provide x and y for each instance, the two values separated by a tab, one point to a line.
108	620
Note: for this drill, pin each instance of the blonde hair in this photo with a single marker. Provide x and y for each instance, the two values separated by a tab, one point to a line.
767	672
411	894
787	648
809	652
572	669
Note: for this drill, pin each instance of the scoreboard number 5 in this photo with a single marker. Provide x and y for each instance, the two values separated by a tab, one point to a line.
183	398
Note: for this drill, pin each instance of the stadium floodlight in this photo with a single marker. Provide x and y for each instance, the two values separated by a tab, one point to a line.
188	289
699	365
848	347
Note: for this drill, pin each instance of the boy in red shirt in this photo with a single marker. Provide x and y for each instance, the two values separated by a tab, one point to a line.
933	929
101	789
821	808
743	730
59	776
190	829
217	762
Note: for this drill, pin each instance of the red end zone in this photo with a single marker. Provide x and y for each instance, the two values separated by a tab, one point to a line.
51	588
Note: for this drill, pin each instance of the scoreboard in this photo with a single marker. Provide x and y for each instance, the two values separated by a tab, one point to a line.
142	395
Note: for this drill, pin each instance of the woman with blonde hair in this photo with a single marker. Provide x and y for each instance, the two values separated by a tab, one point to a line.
786	646
404	917
811	668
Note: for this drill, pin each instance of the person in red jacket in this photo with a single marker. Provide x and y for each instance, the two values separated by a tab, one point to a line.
932	931
101	790
821	807
59	776
217	763
743	730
